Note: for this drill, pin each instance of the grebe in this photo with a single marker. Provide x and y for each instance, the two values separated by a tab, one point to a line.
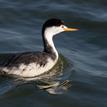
31	64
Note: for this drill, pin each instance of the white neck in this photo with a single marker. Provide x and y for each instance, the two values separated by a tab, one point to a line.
49	39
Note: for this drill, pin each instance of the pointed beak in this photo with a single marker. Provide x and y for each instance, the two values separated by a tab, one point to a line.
70	29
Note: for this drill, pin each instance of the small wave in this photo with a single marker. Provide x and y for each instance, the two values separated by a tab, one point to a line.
6	85
90	11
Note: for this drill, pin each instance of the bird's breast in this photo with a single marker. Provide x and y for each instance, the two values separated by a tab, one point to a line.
30	70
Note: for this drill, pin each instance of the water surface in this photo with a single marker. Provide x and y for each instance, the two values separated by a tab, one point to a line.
20	30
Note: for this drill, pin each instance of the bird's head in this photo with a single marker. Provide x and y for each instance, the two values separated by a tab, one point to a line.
55	26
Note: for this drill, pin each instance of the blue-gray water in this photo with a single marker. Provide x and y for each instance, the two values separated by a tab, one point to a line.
20	30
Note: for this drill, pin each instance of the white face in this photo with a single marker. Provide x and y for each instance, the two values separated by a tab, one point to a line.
55	29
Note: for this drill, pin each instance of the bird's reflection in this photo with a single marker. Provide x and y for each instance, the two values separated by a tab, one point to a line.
55	87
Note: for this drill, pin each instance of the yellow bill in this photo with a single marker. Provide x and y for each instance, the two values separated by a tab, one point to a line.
71	29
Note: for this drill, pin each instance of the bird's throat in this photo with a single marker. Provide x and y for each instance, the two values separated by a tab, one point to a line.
49	46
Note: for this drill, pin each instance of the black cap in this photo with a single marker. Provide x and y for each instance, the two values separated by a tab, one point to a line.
52	22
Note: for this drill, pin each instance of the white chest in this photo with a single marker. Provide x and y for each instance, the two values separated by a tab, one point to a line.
30	70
